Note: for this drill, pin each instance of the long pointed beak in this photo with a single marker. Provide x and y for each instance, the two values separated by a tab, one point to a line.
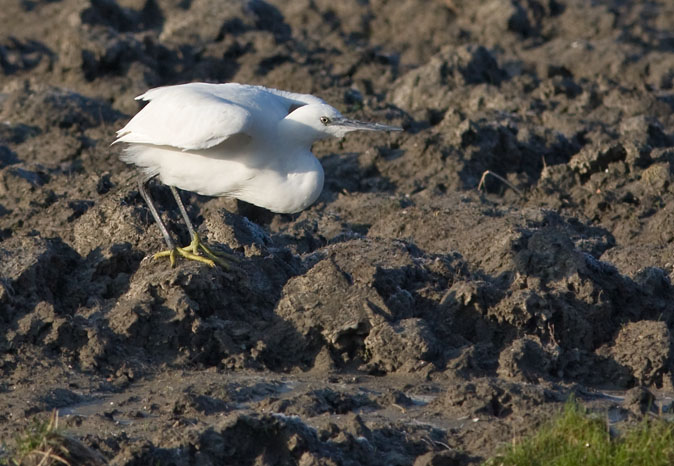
355	125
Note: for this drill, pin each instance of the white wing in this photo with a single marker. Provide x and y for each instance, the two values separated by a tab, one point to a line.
199	116
185	118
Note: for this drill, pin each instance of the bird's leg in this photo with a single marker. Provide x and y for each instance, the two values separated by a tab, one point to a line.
183	212
153	210
172	249
197	244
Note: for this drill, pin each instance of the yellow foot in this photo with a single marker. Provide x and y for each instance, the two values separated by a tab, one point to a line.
171	254
193	252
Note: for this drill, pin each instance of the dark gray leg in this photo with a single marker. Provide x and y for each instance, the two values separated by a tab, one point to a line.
183	212
142	181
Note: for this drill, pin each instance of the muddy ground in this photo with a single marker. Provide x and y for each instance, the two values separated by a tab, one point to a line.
405	318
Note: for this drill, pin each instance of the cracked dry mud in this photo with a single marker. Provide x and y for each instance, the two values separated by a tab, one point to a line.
406	317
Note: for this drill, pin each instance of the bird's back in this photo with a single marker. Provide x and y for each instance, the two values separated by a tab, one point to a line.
198	116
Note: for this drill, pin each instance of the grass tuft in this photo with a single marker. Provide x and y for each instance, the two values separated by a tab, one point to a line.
43	444
576	437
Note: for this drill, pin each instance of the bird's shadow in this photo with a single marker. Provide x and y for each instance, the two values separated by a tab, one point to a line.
349	173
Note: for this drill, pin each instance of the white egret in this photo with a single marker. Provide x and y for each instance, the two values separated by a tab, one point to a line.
247	142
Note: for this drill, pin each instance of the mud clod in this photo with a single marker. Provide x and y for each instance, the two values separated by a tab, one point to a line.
405	317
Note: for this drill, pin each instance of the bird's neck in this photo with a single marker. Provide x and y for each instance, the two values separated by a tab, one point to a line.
296	133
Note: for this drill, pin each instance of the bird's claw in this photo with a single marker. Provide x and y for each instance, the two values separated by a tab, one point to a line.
222	258
171	254
193	252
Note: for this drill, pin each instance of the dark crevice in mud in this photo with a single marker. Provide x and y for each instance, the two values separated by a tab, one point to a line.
405	317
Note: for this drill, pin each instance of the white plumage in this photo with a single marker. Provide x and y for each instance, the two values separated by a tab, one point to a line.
247	142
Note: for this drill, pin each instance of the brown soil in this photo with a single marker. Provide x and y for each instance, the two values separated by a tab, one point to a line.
406	317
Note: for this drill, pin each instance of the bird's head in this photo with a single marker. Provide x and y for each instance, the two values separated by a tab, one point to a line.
320	121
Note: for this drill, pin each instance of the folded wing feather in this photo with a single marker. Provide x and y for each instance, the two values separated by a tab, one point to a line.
185	118
199	116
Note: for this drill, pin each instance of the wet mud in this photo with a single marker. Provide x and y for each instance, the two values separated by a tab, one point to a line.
412	315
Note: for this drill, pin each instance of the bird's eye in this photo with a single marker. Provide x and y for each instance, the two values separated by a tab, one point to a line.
325	120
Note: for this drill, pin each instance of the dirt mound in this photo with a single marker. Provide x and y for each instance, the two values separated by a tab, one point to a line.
405	316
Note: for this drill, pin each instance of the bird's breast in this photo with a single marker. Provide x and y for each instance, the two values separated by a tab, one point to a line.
290	186
307	186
